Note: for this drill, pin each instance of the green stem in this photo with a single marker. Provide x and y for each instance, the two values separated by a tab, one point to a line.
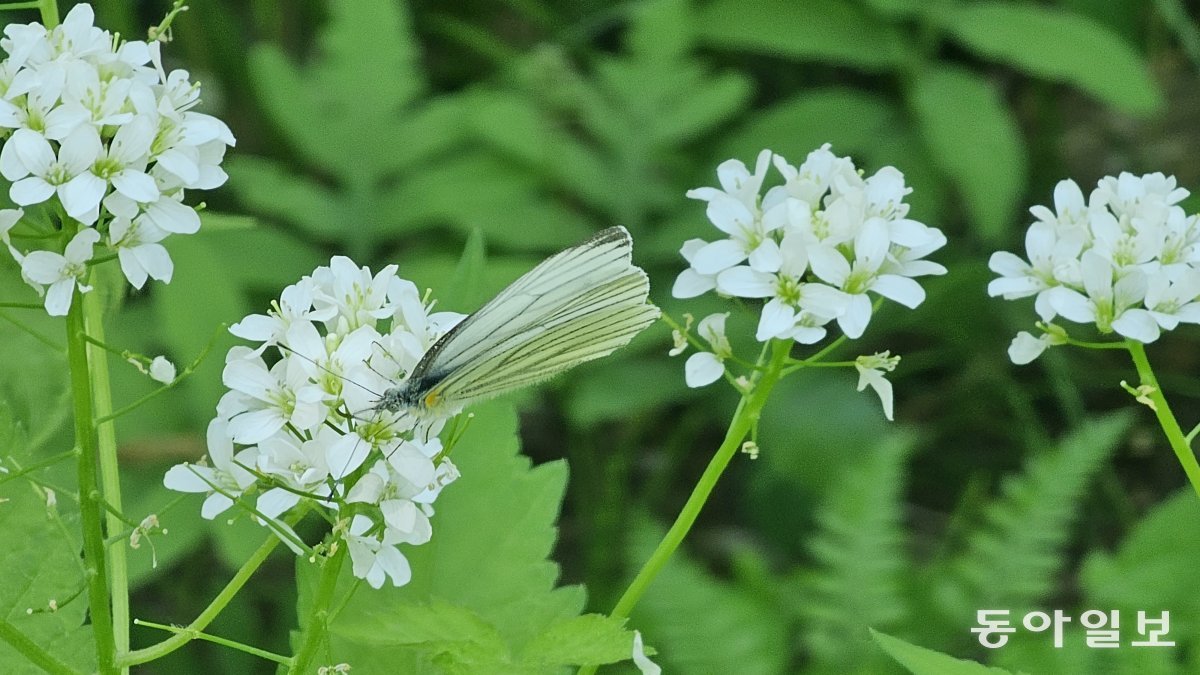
155	651
225	642
32	650
744	420
21	305
318	620
1166	419
89	509
110	476
49	11
25	470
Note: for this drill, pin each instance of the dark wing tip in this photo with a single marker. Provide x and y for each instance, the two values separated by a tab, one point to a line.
616	233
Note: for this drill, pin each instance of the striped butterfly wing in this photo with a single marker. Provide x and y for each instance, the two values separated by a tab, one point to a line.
578	305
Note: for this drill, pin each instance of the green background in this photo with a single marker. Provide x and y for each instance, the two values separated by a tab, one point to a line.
390	131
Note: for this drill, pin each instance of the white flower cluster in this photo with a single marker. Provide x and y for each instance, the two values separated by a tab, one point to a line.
816	247
1126	260
96	125
300	423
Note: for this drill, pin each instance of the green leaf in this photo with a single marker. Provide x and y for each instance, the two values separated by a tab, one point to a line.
591	639
1153	570
277	192
1012	559
975	140
493	531
1055	44
701	624
466	286
834	31
861	558
40	563
922	661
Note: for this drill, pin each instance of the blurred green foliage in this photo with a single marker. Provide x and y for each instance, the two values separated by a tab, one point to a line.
391	131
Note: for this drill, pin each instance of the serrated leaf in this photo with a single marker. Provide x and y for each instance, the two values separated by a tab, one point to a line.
974	138
493	531
1011	560
861	559
922	661
700	624
341	108
40	565
1153	568
833	31
591	639
1056	44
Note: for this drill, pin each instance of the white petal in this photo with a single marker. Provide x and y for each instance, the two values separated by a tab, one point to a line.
856	317
1025	348
82	194
776	320
216	504
275	501
132	267
1071	304
829	265
184	478
644	664
251	427
767	257
80	149
1137	324
1008	264
901	289
744	282
155	260
136	185
173	216
58	298
345	455
702	368
717	256
29	191
394	564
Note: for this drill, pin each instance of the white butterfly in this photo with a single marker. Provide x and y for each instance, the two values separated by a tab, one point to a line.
579	304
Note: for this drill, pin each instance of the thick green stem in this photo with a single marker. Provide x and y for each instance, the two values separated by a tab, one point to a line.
49	12
1166	418
110	477
318	620
205	617
32	650
89	489
744	419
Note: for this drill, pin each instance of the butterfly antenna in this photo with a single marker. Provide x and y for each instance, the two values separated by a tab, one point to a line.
341	377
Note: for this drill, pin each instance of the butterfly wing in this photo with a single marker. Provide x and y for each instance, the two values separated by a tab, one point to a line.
580	304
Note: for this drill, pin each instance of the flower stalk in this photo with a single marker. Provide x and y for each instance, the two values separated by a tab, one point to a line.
318	619
744	420
86	444
1166	418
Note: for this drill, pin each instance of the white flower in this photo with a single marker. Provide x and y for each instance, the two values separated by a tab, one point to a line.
294	304
1025	347
162	370
38	174
704	368
1055	261
262	401
224	480
872	372
856	278
643	663
373	558
62	272
1110	302
358	297
797	309
1171	298
735	211
299	465
138	250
